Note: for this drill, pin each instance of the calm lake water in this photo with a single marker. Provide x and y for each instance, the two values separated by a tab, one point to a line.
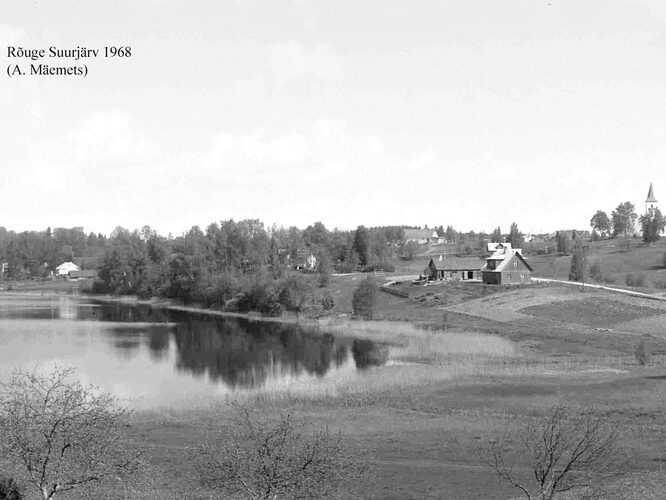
154	357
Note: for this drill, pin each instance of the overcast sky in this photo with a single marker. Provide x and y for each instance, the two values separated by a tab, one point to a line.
469	113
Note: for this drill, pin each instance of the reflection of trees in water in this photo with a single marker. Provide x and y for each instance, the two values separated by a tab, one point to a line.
123	313
240	352
129	338
367	353
247	353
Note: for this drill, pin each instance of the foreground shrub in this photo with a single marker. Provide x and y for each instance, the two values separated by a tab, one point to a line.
59	435
9	490
641	354
595	271
567	449
275	459
635	279
660	283
607	278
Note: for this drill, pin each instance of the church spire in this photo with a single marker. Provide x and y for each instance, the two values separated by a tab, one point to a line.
651	201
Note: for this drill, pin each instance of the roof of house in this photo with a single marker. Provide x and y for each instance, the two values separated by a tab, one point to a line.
85	273
458	264
420	234
68	265
505	258
650	196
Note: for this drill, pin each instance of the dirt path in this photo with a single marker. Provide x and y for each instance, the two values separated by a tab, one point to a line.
602	287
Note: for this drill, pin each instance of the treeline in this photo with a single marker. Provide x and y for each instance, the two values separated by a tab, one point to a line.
622	221
35	254
242	265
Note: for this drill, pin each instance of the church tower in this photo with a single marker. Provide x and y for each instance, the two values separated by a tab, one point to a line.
651	201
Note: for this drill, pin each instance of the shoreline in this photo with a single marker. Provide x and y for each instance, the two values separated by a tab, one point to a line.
171	305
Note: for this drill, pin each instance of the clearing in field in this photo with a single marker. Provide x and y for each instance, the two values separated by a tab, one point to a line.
600	312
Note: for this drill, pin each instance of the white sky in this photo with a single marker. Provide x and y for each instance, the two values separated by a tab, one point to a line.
469	113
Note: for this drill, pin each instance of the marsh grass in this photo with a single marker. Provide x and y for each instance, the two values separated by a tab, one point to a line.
412	357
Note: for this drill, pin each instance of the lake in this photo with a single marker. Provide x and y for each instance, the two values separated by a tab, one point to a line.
151	357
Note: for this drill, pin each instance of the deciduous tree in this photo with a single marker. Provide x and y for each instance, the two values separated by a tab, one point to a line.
623	218
601	222
362	245
59	435
364	299
567	449
260	458
515	237
652	225
496	236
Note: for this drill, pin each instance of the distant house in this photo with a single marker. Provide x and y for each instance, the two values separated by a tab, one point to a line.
497	247
506	266
65	268
304	261
423	236
455	268
85	274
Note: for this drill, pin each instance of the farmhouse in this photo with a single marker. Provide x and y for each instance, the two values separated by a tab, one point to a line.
421	235
506	266
455	268
493	247
65	268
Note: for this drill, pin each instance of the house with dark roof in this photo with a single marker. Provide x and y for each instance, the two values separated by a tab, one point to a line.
84	274
455	268
506	266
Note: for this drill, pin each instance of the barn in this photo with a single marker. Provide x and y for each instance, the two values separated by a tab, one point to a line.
455	268
507	266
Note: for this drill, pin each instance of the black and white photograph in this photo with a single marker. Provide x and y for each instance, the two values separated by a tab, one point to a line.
332	249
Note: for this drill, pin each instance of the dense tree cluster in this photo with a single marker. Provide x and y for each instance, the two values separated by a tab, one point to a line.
243	262
621	221
30	254
652	225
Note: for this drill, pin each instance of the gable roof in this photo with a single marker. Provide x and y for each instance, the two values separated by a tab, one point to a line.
505	258
650	196
68	265
458	264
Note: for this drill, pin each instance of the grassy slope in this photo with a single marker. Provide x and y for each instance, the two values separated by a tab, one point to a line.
615	263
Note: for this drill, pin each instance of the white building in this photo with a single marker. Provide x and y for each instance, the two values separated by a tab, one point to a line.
64	268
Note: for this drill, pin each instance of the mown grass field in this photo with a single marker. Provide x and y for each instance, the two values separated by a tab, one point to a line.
459	373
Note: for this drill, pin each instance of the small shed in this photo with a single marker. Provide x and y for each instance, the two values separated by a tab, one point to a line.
507	266
455	268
